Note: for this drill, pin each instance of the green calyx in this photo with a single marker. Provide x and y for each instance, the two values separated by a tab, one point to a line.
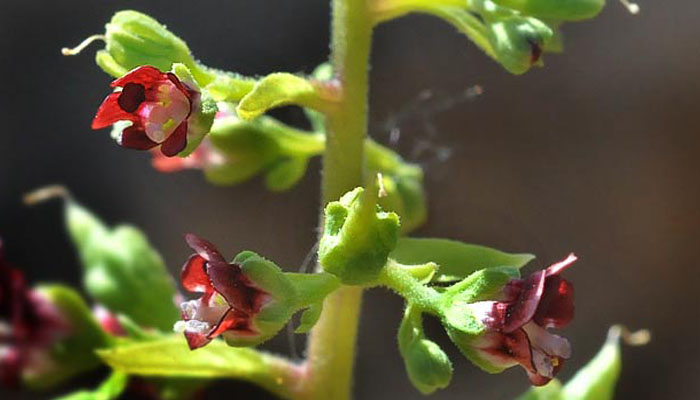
358	237
134	39
201	119
518	42
285	294
121	270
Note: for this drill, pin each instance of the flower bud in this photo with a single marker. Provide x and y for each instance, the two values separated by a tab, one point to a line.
46	334
246	301
121	269
564	10
427	365
358	237
518	42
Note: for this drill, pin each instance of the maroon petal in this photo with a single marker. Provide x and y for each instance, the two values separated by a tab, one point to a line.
176	142
189	93
204	248
134	138
562	265
228	280
110	112
194	275
525	307
11	368
506	350
556	307
145	75
131	97
196	340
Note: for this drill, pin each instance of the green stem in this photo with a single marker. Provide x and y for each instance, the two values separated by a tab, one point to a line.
331	349
400	279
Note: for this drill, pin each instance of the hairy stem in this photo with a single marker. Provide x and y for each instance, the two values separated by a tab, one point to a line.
331	349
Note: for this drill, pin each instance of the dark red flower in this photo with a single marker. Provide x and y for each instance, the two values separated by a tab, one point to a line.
229	299
29	325
158	106
518	321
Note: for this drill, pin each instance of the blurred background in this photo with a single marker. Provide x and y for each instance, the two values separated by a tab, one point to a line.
596	153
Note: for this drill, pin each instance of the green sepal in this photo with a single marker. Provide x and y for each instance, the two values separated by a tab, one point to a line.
74	353
312	290
275	314
464	342
427	365
565	10
456	260
111	388
518	42
134	39
276	90
309	318
597	379
121	270
480	285
285	173
202	117
357	237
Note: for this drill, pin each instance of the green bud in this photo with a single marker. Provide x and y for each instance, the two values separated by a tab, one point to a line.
518	42
74	351
427	365
134	39
357	238
565	10
121	269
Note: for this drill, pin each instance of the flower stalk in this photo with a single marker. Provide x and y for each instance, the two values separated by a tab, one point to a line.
331	348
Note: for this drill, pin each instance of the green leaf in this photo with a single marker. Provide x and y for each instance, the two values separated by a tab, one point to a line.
277	90
285	173
110	389
172	358
122	270
457	260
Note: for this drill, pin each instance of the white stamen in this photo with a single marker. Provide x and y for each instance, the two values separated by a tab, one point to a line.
191	326
85	43
633	8
189	308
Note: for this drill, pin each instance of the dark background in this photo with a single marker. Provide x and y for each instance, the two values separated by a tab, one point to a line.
596	153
